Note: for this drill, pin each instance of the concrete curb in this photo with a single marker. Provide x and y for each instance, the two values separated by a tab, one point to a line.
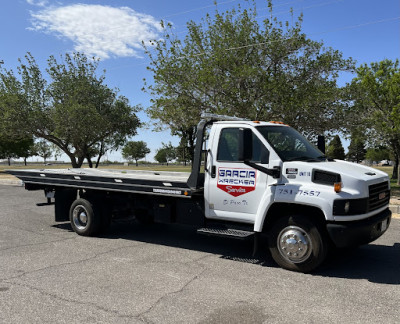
10	182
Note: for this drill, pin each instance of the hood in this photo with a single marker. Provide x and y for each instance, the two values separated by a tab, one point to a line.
355	177
352	170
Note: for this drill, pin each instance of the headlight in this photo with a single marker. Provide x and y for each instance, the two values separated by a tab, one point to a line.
346	207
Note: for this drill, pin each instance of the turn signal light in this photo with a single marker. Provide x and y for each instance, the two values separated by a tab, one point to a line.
337	186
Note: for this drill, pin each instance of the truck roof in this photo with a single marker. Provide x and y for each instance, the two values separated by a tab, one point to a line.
252	123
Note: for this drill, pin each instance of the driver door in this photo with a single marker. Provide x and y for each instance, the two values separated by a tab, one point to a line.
233	190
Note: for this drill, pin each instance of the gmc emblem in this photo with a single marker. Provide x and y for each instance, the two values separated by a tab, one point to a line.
382	195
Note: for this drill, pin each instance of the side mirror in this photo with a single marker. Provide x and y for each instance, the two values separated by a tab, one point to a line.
245	150
321	143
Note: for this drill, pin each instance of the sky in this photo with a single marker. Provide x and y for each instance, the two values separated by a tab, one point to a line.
366	30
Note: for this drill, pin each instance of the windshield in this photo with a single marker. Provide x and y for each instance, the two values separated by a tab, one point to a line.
290	145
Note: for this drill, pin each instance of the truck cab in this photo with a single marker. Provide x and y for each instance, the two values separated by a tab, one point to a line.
267	175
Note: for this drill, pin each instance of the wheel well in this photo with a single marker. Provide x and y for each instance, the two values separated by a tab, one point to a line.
278	210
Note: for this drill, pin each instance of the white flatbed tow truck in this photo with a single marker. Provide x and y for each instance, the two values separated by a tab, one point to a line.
259	178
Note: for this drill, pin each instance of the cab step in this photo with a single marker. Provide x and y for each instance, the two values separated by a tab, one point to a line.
228	232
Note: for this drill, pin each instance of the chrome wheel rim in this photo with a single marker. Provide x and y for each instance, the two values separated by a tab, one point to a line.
294	244
80	217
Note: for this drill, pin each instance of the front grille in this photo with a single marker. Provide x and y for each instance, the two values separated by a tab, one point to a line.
379	195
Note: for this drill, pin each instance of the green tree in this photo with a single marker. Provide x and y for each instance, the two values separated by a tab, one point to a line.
135	150
356	149
161	156
378	154
183	152
166	153
56	151
25	148
335	149
232	64
375	94
43	149
15	148
72	107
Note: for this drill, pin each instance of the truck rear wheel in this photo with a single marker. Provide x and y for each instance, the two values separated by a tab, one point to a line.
296	243
84	217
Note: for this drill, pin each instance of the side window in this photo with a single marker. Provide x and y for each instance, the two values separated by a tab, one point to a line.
228	146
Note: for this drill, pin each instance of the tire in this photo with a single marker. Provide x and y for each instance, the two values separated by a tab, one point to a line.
85	218
296	243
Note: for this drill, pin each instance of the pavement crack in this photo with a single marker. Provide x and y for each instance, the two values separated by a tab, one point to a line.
36	244
40	233
141	316
199	259
66	263
73	301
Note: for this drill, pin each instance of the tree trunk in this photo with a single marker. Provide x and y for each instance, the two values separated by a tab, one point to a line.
396	171
395	168
9	161
137	163
73	162
398	175
89	160
394	146
76	163
25	161
98	160
80	161
101	153
192	145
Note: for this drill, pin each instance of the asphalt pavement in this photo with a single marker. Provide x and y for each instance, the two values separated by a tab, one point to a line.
168	274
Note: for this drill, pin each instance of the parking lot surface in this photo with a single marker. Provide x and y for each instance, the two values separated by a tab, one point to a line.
168	274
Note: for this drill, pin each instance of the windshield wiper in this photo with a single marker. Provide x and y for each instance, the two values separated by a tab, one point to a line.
325	158
306	159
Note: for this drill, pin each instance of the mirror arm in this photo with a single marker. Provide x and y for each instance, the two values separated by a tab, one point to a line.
275	172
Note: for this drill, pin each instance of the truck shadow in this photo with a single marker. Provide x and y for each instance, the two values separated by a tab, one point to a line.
183	237
375	263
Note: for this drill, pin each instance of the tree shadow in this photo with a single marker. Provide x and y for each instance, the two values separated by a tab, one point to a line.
180	236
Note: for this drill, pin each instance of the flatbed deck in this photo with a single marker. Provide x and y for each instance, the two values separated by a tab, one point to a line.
145	182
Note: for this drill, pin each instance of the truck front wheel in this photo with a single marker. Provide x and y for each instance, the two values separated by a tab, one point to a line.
85	220
296	243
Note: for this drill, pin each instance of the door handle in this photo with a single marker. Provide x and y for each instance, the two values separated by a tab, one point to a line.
213	171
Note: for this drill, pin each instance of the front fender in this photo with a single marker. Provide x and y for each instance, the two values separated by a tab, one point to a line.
292	196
